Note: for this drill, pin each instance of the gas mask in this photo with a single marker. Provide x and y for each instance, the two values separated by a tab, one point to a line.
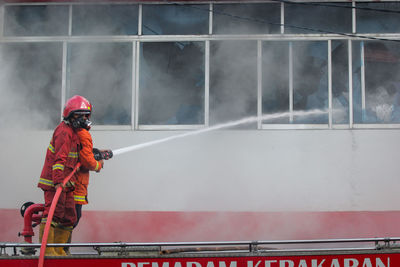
81	122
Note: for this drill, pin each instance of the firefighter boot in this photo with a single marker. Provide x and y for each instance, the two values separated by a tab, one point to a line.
61	236
50	239
66	249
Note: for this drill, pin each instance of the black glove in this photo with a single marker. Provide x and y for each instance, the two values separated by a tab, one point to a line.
107	154
102	154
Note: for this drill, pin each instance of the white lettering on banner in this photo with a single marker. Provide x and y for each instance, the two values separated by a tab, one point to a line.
268	263
232	264
335	262
191	263
222	264
250	264
381	264
164	264
314	263
353	262
142	264
367	263
282	263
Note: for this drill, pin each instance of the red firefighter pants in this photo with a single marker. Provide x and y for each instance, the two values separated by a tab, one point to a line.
65	213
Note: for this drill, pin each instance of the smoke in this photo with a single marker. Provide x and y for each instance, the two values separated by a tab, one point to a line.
115	20
108	85
31	73
285	170
381	83
30	85
171	83
233	80
36	20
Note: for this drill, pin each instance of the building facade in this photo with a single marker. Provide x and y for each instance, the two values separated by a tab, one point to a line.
318	81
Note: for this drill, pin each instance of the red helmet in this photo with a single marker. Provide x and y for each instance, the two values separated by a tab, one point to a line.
77	105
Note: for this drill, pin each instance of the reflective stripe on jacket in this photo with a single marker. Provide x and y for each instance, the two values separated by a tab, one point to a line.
80	199
61	157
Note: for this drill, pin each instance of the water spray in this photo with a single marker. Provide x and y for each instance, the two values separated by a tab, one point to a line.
218	127
105	154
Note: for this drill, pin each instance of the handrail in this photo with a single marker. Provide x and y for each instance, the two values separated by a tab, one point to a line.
212	243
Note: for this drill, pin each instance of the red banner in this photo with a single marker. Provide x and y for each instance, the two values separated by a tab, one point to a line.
348	260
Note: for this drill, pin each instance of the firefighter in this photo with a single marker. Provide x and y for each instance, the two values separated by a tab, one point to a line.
88	163
61	157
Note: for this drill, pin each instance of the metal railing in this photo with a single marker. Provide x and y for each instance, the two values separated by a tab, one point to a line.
165	248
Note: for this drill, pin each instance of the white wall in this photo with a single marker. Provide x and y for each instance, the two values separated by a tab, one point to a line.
238	170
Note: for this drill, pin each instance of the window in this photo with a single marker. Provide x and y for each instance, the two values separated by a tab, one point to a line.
246	18
300	86
233	81
340	82
317	17
310	80
163	66
171	85
376	83
36	20
275	79
105	20
175	19
32	75
102	72
378	17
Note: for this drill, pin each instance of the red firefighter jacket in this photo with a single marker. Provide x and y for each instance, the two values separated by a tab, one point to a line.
88	163
61	157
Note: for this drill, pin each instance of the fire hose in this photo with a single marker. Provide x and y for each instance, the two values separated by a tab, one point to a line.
50	215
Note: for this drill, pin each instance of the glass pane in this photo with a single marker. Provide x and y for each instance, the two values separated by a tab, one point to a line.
233	81
32	75
310	80
102	72
317	17
275	79
175	19
375	21
340	82
36	20
381	101
246	18
105	20
171	83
